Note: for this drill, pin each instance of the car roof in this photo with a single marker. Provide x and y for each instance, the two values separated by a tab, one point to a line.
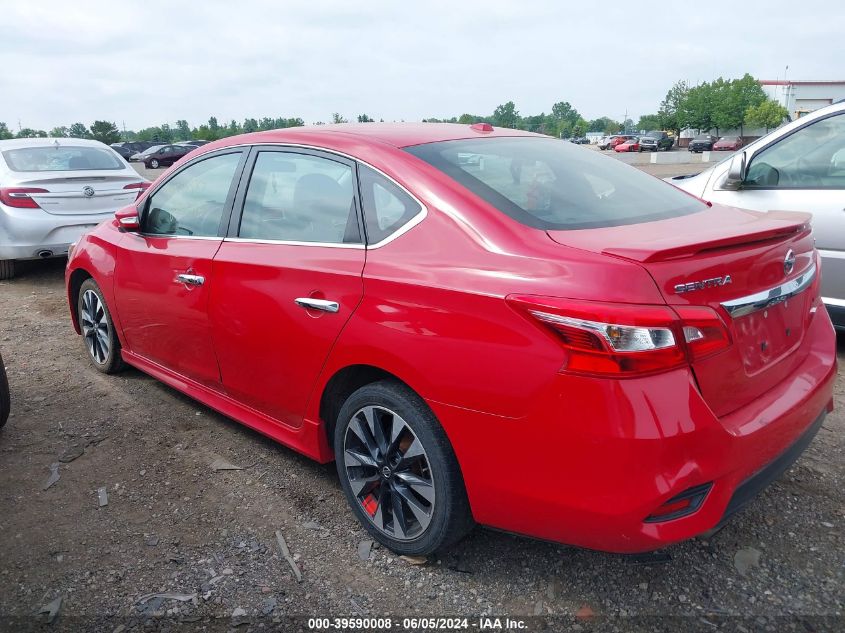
16	143
397	135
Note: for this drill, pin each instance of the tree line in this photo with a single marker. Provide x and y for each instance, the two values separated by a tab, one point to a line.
720	104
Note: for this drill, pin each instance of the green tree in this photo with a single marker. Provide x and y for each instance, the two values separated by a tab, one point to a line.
28	132
78	130
202	132
769	114
604	124
250	125
746	92
698	107
648	122
467	119
5	132
183	130
580	128
59	132
671	108
105	132
563	111
337	118
506	115
725	114
363	118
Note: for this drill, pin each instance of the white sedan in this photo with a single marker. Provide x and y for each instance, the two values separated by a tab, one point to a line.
52	190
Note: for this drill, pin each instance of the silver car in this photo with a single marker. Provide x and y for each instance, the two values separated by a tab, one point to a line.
52	190
798	167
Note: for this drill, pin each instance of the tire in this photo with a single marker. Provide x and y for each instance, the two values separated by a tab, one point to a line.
442	516
154	164
98	329
7	268
5	398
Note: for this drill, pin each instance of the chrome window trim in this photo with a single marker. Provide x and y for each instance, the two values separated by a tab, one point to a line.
411	223
767	298
177	237
250	240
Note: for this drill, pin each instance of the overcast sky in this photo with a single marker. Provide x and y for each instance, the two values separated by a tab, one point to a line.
146	62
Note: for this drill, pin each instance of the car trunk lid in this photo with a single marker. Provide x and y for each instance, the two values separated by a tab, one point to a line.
734	262
69	193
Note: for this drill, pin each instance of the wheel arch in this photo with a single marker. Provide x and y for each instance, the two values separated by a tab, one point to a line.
342	384
74	283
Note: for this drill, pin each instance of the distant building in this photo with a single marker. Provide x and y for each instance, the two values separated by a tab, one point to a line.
801	97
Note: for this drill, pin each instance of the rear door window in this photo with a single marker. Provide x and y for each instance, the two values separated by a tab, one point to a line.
295	197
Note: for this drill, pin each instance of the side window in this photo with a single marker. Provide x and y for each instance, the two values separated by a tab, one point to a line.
300	198
192	202
809	158
387	207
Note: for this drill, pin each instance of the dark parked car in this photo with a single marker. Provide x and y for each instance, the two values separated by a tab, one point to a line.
656	141
129	149
123	150
580	140
165	155
5	400
702	143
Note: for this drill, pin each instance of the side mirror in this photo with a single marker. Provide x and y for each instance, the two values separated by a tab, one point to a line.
128	219
736	172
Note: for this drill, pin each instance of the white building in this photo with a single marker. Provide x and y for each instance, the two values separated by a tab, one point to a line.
800	97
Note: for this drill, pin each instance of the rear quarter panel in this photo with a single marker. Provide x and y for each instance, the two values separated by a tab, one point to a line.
434	311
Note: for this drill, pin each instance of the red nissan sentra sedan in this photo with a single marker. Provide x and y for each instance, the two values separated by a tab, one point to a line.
478	326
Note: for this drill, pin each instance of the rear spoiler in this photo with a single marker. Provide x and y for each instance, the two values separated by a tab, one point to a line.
773	225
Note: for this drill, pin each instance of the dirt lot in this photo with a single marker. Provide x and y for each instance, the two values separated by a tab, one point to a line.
206	538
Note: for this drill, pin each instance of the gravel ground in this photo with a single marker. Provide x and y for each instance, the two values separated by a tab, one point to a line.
206	539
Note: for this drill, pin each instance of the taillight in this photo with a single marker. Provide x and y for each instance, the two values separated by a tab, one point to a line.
608	339
140	186
704	331
18	197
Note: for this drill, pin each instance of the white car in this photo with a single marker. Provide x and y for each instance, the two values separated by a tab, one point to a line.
797	167
52	190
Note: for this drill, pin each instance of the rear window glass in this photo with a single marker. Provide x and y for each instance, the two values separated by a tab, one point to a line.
62	158
548	184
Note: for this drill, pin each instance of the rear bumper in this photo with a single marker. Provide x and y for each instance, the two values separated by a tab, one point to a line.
595	457
748	490
24	233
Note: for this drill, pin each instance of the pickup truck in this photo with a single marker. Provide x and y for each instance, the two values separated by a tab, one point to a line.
655	141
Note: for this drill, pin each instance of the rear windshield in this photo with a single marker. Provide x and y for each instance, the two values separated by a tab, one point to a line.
62	158
548	184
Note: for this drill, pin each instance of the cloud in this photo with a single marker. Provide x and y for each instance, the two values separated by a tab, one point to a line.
156	61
